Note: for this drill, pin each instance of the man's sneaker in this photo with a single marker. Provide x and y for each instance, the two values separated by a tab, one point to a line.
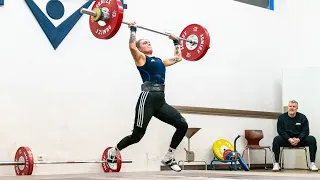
172	164
112	158
313	167
276	167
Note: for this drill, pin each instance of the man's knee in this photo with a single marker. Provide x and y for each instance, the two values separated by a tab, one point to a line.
277	141
310	140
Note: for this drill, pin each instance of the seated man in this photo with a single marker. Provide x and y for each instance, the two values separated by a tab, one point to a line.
293	130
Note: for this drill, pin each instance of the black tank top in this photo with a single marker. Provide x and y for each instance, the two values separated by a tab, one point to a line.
153	70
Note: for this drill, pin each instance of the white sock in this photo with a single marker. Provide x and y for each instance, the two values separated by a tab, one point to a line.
116	148
170	153
114	151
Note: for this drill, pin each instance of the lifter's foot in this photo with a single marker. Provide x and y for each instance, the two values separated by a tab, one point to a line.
112	157
171	163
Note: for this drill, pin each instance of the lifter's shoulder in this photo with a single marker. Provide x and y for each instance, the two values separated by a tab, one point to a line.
139	57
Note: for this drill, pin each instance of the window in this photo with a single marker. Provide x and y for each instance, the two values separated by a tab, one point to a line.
268	4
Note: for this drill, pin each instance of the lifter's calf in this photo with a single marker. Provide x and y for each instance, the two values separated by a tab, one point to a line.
135	137
181	129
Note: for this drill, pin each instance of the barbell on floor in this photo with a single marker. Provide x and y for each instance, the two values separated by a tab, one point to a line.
106	20
23	162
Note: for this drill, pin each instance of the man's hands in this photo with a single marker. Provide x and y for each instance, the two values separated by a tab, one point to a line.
294	141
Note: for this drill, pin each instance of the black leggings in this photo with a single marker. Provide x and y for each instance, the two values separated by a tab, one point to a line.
310	141
153	104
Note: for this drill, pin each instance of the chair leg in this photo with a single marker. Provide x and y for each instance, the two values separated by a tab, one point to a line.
243	152
272	156
249	157
265	159
246	149
305	150
281	159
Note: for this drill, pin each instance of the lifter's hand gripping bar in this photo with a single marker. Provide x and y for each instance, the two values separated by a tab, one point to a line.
94	14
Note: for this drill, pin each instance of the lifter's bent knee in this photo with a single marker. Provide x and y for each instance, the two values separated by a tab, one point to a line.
137	135
182	125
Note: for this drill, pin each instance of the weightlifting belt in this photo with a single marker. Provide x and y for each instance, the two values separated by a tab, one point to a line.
152	87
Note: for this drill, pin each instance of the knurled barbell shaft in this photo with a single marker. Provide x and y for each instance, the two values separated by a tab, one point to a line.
54	162
94	14
11	163
166	34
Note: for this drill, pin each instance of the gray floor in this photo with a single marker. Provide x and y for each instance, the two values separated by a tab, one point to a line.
184	175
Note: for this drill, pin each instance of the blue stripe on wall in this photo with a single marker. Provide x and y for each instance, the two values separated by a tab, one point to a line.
1	2
271	4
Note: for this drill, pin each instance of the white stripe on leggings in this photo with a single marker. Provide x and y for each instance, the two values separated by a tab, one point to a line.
143	98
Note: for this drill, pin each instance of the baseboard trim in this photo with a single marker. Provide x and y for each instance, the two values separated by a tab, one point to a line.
217	167
227	112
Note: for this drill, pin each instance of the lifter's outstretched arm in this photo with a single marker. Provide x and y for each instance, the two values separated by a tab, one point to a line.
138	56
177	53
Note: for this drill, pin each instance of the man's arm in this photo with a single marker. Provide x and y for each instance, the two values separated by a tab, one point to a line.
138	56
177	54
281	129
305	128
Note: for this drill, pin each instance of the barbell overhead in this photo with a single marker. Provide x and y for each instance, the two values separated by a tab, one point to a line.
24	162
98	14
106	19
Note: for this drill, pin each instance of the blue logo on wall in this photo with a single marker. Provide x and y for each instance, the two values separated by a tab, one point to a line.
55	10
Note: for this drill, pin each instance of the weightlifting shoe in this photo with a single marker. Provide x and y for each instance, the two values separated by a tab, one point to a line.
171	163
276	167
112	158
313	167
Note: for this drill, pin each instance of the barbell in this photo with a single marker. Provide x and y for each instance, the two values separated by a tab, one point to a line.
24	163
106	20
